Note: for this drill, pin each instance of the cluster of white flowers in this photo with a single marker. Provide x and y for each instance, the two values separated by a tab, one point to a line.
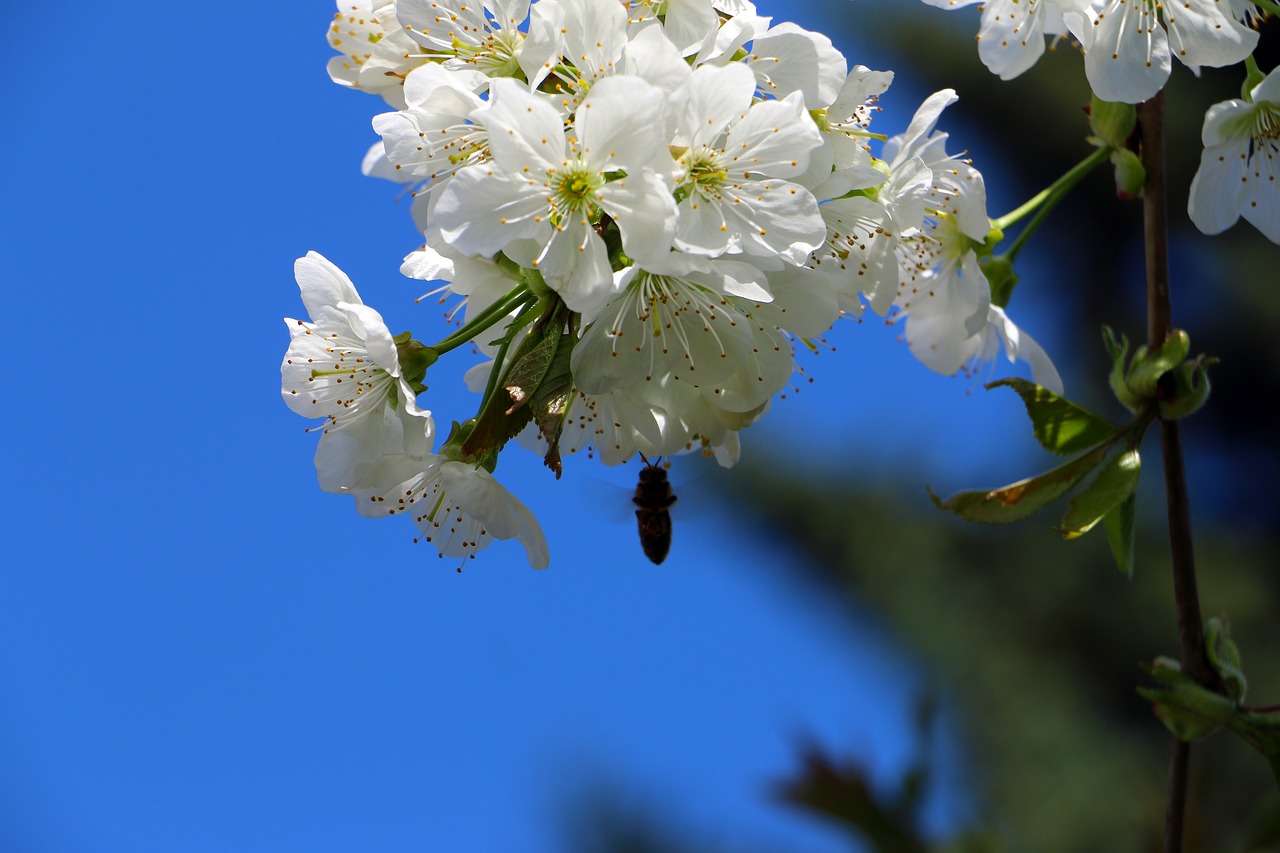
646	206
1129	46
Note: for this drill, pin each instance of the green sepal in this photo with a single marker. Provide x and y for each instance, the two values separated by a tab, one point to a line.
1131	175
1119	524
1118	349
1060	425
1190	388
1225	657
1000	276
1019	500
1115	483
415	357
1252	79
1146	368
1186	708
1112	123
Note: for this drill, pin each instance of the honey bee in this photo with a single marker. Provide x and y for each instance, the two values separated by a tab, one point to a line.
653	499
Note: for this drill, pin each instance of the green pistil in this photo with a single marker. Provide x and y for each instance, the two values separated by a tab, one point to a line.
576	191
705	171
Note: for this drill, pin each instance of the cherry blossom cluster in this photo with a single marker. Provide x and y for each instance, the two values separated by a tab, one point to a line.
1129	47
647	208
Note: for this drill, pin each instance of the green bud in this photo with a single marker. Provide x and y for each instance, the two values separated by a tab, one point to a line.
1225	657
1112	123
1146	368
1190	388
1187	709
1131	176
1000	275
1118	349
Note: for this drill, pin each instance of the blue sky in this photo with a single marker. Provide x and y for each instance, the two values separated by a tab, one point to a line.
199	650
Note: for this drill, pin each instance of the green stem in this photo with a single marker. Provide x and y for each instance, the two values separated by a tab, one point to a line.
485	319
1059	187
1268	5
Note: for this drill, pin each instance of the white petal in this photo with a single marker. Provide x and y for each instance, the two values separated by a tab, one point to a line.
1214	203
481	211
1128	59
620	124
774	139
1260	201
793	59
645	211
322	284
575	264
477	493
525	131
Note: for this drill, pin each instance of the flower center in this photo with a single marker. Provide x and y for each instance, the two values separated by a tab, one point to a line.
704	170
574	190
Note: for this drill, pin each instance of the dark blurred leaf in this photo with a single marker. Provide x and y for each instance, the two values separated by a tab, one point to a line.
843	794
1119	526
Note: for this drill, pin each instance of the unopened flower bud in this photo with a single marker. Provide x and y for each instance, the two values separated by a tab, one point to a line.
1112	123
1130	174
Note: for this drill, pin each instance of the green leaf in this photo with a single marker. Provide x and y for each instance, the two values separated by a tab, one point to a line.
1115	482
1016	501
1119	526
1262	732
1118	349
1061	426
505	414
528	369
551	401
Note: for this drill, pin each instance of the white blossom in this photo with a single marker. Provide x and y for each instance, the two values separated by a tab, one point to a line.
457	507
343	367
1239	171
732	172
1129	44
543	187
375	54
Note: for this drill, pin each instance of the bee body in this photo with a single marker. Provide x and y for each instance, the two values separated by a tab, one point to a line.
653	500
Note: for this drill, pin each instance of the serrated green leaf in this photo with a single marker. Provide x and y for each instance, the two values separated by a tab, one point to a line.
529	368
1115	482
551	402
1119	526
1061	426
1016	501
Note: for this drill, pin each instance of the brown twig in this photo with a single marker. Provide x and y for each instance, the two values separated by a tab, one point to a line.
1195	659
